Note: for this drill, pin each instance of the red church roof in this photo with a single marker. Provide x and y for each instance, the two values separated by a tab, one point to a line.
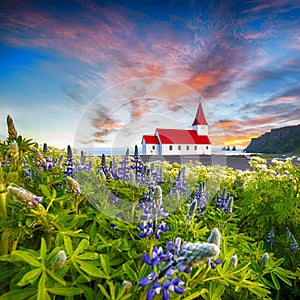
150	139
178	136
200	118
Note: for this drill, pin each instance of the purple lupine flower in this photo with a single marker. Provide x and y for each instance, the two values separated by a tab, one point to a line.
123	170
137	166
113	198
198	203
180	182
69	163
148	279
154	290
176	258
294	245
270	237
214	263
225	202
174	285
152	211
154	260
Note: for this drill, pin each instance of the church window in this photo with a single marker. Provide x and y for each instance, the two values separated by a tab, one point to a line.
179	147
170	147
187	147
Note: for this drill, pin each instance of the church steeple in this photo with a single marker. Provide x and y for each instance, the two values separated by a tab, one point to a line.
200	124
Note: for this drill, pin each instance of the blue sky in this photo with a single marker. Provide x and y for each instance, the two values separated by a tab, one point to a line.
105	72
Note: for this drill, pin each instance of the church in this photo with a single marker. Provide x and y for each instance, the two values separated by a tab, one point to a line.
178	141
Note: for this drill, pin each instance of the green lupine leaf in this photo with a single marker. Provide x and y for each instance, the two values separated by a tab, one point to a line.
260	246
278	262
267	283
45	191
275	281
56	277
25	256
65	291
258	290
196	294
129	271
104	292
112	290
42	291
43	250
68	245
105	263
284	277
88	256
241	267
91	269
19	294
82	246
30	277
89	294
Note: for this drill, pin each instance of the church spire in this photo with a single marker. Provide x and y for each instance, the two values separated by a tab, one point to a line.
200	117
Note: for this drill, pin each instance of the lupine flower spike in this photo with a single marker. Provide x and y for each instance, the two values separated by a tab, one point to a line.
12	132
25	196
153	210
265	259
270	237
234	260
59	260
294	244
182	259
74	185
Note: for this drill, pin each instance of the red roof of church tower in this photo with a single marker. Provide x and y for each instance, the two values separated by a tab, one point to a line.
200	118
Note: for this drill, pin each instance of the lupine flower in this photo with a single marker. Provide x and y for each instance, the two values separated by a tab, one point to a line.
147	280
25	196
113	226
234	260
123	170
294	244
225	202
152	211
59	260
14	151
176	258
180	182
83	165
155	289
132	178
264	259
69	163
12	132
271	237
192	210
199	202
127	285
137	166
113	198
215	237
74	185
214	263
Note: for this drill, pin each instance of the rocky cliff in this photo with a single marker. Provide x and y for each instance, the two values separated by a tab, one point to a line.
279	140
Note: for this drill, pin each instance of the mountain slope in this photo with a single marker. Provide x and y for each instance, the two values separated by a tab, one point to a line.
278	141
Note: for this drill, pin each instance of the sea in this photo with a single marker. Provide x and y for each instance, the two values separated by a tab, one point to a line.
122	151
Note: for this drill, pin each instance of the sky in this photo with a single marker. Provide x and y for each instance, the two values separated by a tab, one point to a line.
103	73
